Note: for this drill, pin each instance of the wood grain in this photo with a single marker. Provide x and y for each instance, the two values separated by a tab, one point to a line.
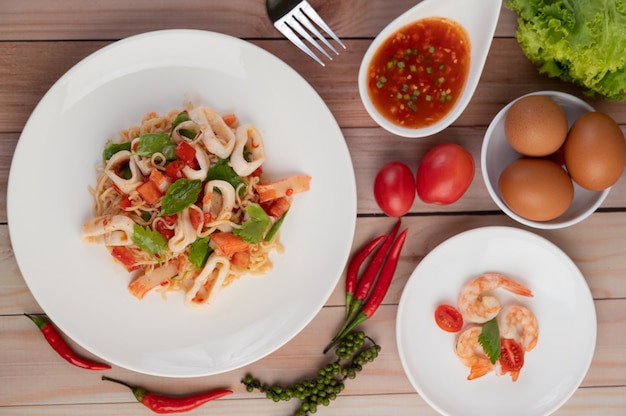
40	40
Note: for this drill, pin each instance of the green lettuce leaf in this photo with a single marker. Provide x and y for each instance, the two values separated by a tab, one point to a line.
580	41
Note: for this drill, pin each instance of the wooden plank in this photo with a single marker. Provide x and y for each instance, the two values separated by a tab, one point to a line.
115	19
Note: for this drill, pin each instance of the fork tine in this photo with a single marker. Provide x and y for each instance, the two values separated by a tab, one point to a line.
295	25
300	17
295	39
310	11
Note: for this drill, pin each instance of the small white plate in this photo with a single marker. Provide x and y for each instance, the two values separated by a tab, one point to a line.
478	17
562	304
81	288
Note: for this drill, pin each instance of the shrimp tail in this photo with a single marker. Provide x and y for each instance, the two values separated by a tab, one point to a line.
514	287
481	367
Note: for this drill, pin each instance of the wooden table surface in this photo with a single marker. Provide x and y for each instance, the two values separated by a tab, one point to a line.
41	39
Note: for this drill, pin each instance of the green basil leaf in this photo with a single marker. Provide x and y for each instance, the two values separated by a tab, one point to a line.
489	338
253	229
180	117
111	148
180	195
222	171
149	240
151	143
199	251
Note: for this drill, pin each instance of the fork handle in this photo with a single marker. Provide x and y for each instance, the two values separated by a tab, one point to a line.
278	8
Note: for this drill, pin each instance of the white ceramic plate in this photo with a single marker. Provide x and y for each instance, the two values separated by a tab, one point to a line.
562	304
496	154
79	286
478	17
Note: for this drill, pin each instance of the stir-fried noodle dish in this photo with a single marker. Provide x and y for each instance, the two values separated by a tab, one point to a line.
182	203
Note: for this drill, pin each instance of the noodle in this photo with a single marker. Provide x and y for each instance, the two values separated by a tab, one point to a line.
180	217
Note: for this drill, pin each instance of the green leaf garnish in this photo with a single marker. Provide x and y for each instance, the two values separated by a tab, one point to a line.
253	229
111	148
180	195
199	251
151	143
489	338
222	171
272	232
149	240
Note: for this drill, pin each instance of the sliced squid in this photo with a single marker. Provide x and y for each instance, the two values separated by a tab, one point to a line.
125	185
217	136
219	204
143	163
203	163
110	230
148	281
207	285
184	127
249	153
184	233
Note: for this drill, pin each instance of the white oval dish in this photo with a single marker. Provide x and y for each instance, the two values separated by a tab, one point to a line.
478	17
562	304
79	285
497	154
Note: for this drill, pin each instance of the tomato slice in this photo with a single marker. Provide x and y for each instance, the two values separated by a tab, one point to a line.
511	357
448	318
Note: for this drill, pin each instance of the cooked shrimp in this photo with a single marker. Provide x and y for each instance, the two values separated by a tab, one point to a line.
519	323
479	308
471	353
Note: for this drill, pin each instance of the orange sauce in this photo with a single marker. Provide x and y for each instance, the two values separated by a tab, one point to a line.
417	75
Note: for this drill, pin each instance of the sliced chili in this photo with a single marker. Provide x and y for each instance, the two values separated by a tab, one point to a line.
57	342
171	404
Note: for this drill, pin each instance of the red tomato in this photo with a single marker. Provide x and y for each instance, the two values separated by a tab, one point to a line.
394	189
448	318
444	174
511	357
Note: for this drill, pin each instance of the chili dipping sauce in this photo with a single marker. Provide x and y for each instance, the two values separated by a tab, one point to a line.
418	73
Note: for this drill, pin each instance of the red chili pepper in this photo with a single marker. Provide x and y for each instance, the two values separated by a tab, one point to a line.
378	293
369	275
57	342
353	269
171	404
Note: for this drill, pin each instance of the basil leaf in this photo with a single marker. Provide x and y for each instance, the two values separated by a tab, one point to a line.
222	171
180	195
181	117
111	148
199	251
489	338
253	229
151	143
149	240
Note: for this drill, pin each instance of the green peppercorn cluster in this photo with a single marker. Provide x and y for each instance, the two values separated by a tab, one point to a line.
352	355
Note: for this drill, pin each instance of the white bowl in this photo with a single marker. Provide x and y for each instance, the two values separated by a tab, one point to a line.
497	154
478	17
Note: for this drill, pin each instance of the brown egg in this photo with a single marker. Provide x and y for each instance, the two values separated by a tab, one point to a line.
536	189
595	151
535	125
